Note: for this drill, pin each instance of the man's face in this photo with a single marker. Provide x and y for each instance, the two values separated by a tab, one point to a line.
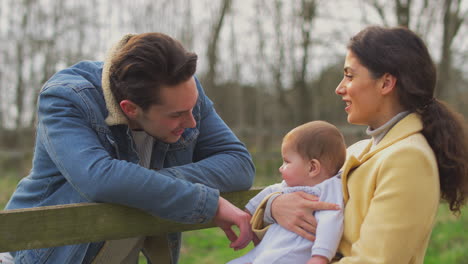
168	120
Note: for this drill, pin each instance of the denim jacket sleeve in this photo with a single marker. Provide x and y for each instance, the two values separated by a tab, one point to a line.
65	128
221	159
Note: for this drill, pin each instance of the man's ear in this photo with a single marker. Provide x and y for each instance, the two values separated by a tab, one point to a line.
388	83
129	108
314	167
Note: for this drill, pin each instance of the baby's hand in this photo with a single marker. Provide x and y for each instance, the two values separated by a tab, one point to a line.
317	260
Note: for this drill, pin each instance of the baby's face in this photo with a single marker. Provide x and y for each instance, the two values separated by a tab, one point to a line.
295	168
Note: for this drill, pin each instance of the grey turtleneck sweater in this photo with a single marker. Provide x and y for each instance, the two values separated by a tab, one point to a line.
379	133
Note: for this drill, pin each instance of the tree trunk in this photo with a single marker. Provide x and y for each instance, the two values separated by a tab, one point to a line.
403	12
20	58
285	112
451	24
308	14
260	86
212	51
236	80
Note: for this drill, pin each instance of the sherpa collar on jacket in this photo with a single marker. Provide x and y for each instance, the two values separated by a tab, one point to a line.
116	116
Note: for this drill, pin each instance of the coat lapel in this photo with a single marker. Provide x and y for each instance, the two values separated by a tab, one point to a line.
351	163
408	126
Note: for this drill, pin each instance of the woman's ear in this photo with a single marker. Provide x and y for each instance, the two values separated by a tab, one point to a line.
314	167
388	83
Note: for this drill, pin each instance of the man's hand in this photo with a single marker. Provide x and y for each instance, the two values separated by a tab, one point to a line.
228	215
317	260
294	211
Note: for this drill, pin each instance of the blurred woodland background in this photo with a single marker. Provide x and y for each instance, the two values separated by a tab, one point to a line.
268	65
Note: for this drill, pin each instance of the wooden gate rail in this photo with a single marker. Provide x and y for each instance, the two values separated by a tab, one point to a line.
52	226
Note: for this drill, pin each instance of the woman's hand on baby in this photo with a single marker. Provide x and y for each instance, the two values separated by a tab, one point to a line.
228	215
294	211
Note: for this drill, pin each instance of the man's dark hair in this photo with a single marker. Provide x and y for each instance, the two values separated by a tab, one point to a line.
146	63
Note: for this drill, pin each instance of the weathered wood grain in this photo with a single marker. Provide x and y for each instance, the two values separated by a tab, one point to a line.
52	226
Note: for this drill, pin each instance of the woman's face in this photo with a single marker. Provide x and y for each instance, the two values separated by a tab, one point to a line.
361	93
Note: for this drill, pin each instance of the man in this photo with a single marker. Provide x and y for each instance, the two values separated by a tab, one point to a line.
136	130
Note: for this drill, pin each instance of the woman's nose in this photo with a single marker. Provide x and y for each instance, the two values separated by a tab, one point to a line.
340	88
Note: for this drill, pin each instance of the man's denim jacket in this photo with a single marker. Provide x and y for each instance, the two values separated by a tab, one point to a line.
79	158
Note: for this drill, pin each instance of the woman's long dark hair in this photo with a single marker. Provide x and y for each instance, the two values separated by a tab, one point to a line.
400	52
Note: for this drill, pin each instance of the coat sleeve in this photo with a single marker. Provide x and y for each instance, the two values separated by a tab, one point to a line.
253	204
401	213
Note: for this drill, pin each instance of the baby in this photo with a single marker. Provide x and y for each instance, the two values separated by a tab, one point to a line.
313	153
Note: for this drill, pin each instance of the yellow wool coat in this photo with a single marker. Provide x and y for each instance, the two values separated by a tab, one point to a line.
391	193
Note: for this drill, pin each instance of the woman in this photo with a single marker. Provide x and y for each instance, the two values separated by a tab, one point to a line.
417	153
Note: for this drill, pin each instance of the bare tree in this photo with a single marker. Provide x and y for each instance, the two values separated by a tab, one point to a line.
307	14
427	18
40	35
452	20
21	45
403	12
212	52
277	66
236	79
260	80
380	8
187	26
1	96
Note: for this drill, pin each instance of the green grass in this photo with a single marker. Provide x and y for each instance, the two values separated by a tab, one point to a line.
449	241
8	184
208	246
